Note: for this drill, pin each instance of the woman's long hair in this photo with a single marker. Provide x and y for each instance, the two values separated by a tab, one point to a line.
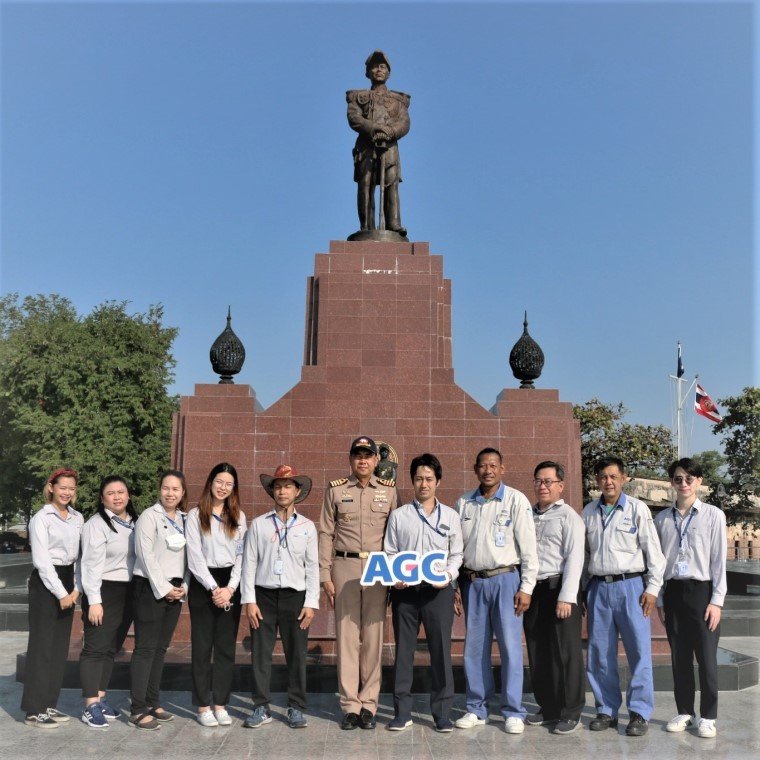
231	509
101	508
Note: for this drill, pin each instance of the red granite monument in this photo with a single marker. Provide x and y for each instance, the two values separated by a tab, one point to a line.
377	362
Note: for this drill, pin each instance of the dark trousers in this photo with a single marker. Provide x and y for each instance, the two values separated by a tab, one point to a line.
213	633
103	642
155	621
685	602
555	655
48	648
434	608
280	608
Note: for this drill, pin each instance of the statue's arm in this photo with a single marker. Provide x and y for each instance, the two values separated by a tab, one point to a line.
356	119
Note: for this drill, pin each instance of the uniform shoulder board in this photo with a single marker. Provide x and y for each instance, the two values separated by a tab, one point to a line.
351	95
338	482
384	482
400	96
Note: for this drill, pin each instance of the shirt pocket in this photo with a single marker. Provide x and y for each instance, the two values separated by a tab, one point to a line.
382	507
348	507
502	532
297	541
625	538
438	542
550	531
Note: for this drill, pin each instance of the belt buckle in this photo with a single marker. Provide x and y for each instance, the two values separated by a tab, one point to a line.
363	555
609	578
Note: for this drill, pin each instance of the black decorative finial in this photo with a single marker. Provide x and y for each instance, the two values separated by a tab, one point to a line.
526	358
227	353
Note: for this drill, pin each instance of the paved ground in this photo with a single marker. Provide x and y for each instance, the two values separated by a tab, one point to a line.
738	725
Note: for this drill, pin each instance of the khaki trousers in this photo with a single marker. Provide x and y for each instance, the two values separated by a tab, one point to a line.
359	617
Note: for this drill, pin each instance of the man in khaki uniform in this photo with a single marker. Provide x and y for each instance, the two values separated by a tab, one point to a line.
354	513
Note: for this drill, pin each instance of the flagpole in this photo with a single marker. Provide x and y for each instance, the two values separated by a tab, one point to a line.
680	400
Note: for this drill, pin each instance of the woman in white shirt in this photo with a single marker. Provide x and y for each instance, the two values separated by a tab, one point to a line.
54	534
108	559
215	533
160	583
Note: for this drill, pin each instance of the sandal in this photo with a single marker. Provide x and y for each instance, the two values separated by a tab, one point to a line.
148	725
160	714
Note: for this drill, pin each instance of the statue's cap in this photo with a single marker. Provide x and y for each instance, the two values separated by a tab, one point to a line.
377	56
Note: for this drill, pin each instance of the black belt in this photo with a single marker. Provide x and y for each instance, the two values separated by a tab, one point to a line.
549	579
616	578
472	574
352	555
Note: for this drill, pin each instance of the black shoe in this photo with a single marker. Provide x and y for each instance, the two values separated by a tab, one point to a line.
603	722
367	719
565	727
637	726
537	719
444	726
350	722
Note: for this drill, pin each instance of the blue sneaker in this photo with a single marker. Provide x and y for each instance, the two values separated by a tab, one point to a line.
93	716
399	724
108	710
296	719
258	717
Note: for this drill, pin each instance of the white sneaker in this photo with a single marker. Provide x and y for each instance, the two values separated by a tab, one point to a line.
706	728
678	724
207	719
514	725
469	720
222	717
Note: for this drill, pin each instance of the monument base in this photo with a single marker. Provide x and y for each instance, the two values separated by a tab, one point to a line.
379	236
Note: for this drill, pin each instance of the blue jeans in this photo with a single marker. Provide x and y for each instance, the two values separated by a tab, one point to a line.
488	610
614	608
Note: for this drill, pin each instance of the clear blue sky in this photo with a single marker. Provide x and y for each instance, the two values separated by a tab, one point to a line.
591	162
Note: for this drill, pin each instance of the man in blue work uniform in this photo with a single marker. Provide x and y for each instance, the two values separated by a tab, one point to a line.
626	568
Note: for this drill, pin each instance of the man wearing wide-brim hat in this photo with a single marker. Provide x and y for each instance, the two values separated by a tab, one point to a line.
351	525
280	591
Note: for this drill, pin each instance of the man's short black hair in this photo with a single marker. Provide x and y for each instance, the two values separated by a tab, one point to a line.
426	460
604	462
558	468
689	465
488	450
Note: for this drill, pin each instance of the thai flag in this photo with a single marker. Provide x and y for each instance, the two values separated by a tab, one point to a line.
705	406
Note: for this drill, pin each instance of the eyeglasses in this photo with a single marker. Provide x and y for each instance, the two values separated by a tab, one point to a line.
224	485
545	482
679	479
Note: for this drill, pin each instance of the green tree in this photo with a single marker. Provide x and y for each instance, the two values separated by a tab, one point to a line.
740	431
88	392
713	465
646	449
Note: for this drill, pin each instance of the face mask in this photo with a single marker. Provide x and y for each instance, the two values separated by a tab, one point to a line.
175	542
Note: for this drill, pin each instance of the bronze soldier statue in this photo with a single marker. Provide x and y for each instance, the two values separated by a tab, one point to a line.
381	118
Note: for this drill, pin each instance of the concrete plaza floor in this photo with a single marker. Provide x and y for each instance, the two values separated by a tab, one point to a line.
738	730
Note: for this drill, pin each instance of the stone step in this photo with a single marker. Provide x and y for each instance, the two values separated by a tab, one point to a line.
740	602
735	671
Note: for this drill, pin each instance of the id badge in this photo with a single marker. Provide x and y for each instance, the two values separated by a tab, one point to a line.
682	568
501	539
278	567
239	548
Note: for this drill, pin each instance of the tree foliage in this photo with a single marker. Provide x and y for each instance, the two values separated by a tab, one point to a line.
88	392
646	449
740	431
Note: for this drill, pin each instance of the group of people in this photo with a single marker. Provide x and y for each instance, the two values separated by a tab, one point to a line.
510	566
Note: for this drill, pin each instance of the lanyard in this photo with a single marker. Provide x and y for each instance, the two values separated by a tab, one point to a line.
217	518
283	539
425	520
124	524
179	530
608	519
682	533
